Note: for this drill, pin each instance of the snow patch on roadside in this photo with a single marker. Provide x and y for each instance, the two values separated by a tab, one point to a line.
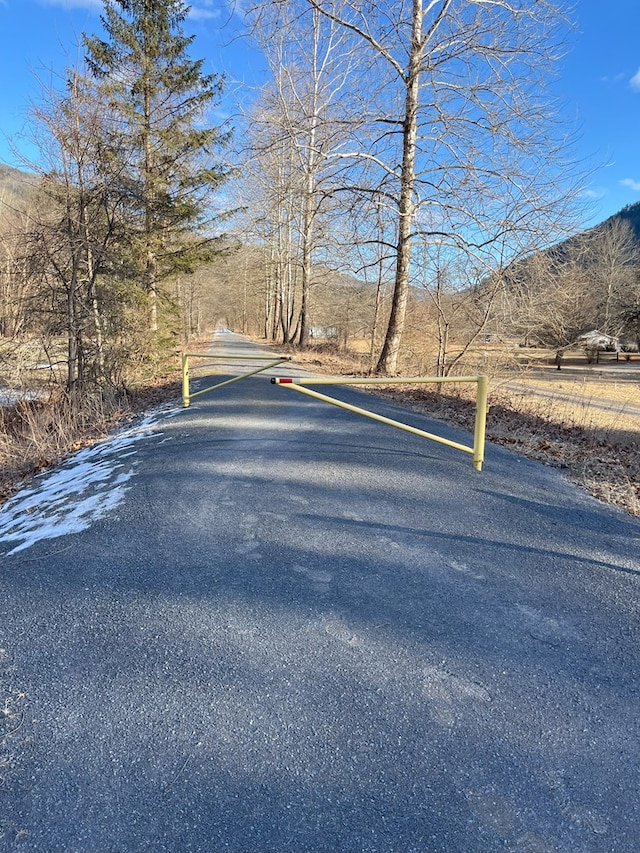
71	497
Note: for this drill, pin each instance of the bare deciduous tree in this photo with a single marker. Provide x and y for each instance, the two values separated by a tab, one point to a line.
77	221
582	284
611	263
16	289
460	126
297	126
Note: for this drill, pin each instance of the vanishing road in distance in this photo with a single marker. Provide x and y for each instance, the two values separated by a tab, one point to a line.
266	625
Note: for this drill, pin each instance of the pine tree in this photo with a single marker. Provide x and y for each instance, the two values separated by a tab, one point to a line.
161	98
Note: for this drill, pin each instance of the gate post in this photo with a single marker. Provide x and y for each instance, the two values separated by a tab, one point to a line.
185	380
481	422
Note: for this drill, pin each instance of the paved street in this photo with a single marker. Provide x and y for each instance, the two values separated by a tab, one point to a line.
272	626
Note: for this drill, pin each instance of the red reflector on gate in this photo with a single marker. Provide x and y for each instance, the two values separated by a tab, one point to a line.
285	381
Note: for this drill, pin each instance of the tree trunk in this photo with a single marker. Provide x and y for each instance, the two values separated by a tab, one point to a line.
72	334
388	361
151	265
309	211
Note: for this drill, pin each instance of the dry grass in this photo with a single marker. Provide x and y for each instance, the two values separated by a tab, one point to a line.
36	434
589	429
614	391
605	462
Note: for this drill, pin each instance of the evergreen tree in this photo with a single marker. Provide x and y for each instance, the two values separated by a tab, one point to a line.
161	98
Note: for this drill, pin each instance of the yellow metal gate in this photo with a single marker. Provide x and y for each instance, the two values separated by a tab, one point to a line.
187	396
481	382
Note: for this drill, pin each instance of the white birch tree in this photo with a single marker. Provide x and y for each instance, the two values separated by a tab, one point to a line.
460	126
298	125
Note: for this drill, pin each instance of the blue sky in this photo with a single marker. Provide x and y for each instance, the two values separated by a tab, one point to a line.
599	84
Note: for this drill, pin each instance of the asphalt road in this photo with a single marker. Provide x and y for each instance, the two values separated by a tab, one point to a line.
292	629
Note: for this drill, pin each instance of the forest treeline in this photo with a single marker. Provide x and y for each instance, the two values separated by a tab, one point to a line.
397	181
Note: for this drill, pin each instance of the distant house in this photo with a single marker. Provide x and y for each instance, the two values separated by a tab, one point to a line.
596	341
593	343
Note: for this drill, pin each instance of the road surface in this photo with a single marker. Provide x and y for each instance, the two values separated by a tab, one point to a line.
266	625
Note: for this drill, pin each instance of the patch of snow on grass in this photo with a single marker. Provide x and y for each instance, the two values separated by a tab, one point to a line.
70	498
12	396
